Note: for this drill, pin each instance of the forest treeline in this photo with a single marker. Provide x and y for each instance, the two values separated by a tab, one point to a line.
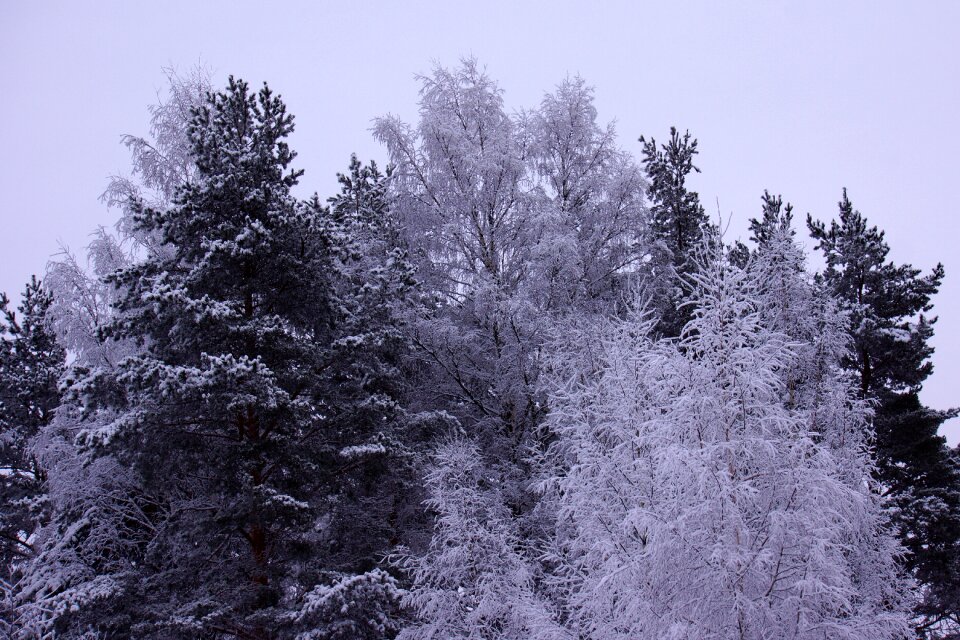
514	386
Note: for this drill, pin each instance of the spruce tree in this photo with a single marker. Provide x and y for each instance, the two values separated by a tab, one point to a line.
677	221
31	363
890	357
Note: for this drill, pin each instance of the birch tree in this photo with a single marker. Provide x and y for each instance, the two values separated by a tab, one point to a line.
694	501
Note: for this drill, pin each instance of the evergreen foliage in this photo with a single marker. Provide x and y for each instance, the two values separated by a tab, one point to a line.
31	363
258	413
514	386
890	331
677	221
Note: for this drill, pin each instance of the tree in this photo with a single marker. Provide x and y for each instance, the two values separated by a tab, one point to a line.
224	393
459	194
776	219
31	363
516	223
792	304
890	332
691	492
163	162
591	241
790	301
677	222
474	582
258	415
512	222
84	553
380	505
888	303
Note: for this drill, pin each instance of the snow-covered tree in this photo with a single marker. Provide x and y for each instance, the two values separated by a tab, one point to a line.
888	303
515	223
890	333
475	582
89	555
82	552
678	226
695	499
85	551
793	302
593	224
458	191
251	436
31	362
512	222
162	162
253	431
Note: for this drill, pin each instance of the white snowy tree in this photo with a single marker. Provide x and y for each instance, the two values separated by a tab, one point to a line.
459	176
475	582
516	222
791	303
513	220
592	218
459	193
695	499
160	163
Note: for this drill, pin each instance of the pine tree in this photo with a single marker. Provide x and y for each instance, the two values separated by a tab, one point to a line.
776	219
792	303
31	363
888	303
86	553
677	222
890	332
259	417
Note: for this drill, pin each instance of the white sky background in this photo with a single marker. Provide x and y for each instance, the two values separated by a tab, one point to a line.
798	98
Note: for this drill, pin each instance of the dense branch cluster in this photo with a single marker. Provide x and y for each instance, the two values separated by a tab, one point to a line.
514	386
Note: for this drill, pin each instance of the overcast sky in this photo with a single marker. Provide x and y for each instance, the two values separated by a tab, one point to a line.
802	99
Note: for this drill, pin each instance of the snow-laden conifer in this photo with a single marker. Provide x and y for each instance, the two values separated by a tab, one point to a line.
246	452
31	362
890	332
678	226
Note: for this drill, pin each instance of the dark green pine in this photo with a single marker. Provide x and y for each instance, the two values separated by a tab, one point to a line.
262	412
890	357
31	363
677	222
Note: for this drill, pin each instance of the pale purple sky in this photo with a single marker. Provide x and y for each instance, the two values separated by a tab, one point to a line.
798	98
